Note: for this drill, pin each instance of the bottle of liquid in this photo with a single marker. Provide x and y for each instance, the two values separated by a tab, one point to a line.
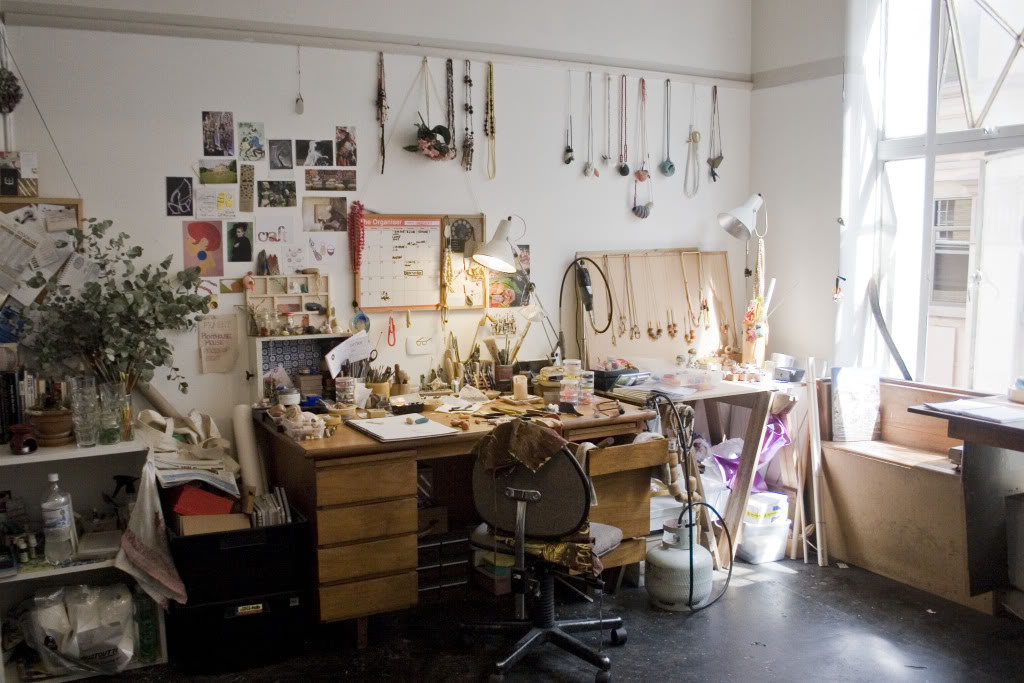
58	523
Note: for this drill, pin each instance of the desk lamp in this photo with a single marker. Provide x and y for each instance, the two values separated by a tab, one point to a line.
741	221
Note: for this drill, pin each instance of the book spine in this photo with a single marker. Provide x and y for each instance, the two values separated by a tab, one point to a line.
6	414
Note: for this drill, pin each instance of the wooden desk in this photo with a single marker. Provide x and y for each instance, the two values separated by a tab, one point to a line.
758	397
992	468
360	497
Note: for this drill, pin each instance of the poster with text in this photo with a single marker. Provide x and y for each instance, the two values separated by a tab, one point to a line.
272	230
218	343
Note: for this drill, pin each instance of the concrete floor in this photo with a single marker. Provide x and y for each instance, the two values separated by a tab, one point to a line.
779	621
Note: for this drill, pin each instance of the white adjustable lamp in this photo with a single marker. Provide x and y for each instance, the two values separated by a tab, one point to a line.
497	254
742	221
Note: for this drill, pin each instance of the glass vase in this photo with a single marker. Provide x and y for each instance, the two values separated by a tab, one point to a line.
110	414
127	417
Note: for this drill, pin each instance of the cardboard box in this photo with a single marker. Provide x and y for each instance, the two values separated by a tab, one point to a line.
191	525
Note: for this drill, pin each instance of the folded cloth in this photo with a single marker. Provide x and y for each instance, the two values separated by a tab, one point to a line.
517	442
145	552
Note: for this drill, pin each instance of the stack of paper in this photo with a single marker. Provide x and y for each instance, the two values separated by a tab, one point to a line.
980	410
174	471
271	508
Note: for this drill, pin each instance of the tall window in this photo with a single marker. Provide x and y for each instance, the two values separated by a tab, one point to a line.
952	172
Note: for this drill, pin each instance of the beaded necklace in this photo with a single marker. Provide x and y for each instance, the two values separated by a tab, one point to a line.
606	158
450	92
691	180
489	132
382	106
467	107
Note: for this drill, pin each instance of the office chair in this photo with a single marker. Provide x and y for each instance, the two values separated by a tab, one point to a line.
549	504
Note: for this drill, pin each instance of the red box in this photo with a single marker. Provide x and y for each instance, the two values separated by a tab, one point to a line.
192	500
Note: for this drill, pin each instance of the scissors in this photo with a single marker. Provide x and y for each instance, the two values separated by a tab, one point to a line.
373	356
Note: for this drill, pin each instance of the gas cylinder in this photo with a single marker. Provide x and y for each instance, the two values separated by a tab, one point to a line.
667	573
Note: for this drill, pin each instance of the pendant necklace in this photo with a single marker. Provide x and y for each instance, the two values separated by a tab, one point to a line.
449	76
467	108
618	298
670	314
382	105
715	157
606	158
611	289
691	320
623	145
489	132
568	156
634	328
589	169
653	331
668	168
642	175
705	310
691	186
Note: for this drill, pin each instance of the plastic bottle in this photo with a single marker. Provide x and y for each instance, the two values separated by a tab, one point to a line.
58	523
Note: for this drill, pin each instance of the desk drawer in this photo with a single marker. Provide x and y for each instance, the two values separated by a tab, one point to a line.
372	481
360	598
358	522
626	457
367	559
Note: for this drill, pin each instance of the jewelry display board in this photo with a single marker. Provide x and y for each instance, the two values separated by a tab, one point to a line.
287	296
467	288
402	263
664	290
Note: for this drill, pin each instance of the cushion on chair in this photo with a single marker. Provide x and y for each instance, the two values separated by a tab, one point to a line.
606	539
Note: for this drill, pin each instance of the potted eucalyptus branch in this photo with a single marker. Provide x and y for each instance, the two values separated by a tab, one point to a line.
114	326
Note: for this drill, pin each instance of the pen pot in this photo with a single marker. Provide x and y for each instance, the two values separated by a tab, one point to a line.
380	388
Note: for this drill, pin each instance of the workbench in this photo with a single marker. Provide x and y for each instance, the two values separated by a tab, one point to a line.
360	497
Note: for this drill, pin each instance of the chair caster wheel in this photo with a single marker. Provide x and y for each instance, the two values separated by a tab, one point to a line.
603	677
496	678
619	636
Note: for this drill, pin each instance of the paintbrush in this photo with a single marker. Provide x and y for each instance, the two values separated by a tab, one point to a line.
492	345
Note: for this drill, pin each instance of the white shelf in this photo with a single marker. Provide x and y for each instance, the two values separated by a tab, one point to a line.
293	337
58	571
73	452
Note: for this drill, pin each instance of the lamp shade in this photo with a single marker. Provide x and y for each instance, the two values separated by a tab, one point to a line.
740	222
497	253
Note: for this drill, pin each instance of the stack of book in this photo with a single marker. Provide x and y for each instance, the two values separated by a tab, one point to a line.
271	508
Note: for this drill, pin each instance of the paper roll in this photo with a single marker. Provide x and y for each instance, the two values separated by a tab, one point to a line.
519	387
245	450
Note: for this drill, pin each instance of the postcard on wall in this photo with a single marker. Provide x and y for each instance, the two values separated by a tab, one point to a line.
58	218
291	257
324	213
231	285
239	238
345	145
246	185
276	193
332	180
314	152
19	174
280	154
251	141
217	171
215	202
508	290
218	343
218	134
273	229
179	195
203	247
208	288
323	250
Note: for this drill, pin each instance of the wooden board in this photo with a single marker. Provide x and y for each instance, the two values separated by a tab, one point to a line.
9	204
386	556
909	429
360	598
630	551
624	500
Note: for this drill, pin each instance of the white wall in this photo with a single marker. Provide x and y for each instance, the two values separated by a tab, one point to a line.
796	153
125	111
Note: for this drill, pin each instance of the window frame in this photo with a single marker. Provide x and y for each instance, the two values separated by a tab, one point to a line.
930	146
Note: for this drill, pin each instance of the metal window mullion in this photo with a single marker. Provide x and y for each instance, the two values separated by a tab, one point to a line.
958	55
928	241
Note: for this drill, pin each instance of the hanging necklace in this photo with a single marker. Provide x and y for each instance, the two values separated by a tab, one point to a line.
642	175
653	331
489	132
589	169
467	108
715	157
611	290
705	310
623	144
616	297
668	168
691	321
670	314
606	158
449	76
759	263
634	328
382	105
691	186
568	155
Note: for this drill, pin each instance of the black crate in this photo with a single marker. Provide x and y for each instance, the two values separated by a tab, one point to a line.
234	564
236	634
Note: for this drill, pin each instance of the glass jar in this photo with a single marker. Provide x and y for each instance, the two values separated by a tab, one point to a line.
569	391
85	410
345	389
110	414
572	367
587	387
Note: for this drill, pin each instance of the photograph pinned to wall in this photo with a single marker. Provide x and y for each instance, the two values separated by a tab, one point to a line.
179	196
214	202
274	229
239	237
218	134
251	141
463	230
330	180
280	154
323	250
203	247
291	258
19	174
324	213
246	187
209	289
217	171
231	285
345	145
314	152
276	193
508	290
